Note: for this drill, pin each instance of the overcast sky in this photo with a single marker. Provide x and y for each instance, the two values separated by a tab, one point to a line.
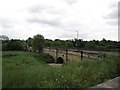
93	19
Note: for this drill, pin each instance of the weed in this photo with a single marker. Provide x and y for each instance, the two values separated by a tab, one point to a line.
30	70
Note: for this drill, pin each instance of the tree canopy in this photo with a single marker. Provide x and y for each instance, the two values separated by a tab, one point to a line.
38	42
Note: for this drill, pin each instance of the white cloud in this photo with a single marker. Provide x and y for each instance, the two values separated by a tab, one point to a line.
112	16
59	18
6	23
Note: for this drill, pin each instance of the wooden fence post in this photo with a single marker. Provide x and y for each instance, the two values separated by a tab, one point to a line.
81	54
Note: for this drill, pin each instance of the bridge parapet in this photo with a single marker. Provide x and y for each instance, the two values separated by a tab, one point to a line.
69	54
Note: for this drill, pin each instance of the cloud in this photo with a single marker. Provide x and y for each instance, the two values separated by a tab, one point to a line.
6	23
46	15
68	35
54	23
113	5
37	9
112	18
70	2
113	15
113	12
112	22
58	18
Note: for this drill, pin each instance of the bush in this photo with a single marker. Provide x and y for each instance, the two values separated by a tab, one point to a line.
14	45
45	57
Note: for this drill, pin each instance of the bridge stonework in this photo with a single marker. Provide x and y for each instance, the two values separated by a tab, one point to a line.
56	53
69	54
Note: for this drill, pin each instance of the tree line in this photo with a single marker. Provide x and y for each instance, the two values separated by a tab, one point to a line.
38	41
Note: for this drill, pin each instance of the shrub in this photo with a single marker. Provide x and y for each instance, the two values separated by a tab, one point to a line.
45	57
14	45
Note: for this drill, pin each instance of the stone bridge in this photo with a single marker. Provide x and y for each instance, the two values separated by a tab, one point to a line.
63	55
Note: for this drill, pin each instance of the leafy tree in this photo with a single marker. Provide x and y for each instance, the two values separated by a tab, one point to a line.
38	42
29	41
14	45
69	44
90	45
4	46
79	43
48	43
57	44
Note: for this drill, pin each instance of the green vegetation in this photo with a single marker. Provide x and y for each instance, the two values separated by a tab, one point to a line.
0	69
38	42
12	45
30	70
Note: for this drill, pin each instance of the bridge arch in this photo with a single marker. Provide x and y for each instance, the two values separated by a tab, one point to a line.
60	60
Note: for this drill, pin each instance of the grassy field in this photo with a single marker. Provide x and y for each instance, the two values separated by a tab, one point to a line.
30	70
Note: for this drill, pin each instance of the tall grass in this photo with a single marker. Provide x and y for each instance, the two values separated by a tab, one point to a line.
30	70
0	69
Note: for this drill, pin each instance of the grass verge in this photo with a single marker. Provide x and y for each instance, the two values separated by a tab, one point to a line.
30	70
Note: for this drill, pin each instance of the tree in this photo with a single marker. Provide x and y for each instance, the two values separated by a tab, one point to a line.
79	43
90	45
48	43
38	42
29	41
4	37
14	45
57	44
69	44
